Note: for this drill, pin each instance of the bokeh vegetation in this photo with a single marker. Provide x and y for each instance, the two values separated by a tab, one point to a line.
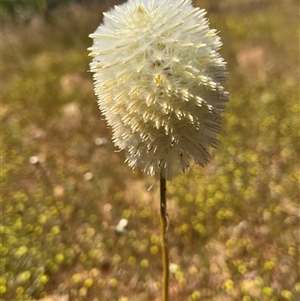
234	225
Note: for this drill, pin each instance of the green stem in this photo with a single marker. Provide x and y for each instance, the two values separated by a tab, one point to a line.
164	228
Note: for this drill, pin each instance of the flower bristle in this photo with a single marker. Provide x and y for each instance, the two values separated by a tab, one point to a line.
158	78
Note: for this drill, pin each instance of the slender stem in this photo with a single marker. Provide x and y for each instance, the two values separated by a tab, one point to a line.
164	228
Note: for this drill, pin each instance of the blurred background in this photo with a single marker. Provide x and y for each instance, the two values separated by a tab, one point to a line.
67	195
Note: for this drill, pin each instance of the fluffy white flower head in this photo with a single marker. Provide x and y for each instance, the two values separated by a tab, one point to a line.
158	78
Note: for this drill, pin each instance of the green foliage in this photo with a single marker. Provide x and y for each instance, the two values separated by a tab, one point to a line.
233	229
26	9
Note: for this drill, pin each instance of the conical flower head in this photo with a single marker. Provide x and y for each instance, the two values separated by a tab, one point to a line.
158	78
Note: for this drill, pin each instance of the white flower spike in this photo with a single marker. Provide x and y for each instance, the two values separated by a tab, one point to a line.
158	78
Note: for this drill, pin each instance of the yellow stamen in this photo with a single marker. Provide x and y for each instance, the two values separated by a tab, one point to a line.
158	79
